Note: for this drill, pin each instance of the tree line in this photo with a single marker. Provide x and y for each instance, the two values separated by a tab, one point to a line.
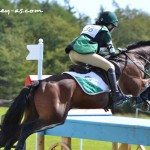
23	22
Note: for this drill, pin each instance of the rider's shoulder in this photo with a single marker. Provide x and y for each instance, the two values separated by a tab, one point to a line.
104	28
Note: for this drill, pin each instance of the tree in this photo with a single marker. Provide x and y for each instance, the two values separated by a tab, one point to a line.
57	25
54	24
133	27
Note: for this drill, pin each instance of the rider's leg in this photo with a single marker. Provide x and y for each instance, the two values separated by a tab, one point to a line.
116	95
91	59
100	62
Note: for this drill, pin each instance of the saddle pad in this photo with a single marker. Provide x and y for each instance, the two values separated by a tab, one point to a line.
90	82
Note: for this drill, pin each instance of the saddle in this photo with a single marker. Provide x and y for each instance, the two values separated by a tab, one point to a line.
100	72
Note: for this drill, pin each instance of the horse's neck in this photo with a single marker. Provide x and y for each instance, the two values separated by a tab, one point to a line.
141	48
138	51
143	51
131	65
141	55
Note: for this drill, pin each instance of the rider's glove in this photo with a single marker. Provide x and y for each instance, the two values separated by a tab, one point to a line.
122	50
113	54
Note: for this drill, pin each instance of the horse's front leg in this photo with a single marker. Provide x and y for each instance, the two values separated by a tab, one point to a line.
145	83
145	95
143	100
134	86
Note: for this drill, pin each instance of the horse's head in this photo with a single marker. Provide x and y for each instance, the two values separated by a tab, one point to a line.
142	51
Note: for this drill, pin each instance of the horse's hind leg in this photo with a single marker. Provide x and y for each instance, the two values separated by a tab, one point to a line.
27	129
10	143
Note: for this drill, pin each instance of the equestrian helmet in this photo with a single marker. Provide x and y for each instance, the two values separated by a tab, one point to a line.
107	18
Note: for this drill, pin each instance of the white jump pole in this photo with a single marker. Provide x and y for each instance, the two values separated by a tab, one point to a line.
81	144
40	60
40	66
36	53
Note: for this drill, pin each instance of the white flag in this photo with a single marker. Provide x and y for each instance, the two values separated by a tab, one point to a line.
34	52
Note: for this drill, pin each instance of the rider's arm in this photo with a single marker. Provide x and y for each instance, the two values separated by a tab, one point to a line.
108	41
110	48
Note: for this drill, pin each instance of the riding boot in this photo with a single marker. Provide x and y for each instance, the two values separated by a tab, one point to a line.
116	97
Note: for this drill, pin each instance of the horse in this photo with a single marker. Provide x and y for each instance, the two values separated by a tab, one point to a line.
44	104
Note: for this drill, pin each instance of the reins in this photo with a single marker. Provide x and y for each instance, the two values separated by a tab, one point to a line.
125	53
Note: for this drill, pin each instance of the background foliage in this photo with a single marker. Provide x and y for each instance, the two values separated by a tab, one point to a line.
58	26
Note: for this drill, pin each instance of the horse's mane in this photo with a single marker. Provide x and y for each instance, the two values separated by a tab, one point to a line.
138	44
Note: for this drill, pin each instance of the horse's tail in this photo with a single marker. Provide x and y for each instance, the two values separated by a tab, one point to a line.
14	115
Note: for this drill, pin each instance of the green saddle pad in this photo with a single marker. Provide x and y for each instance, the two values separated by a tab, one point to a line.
90	82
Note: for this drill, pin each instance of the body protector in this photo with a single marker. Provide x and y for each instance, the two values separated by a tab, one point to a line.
93	39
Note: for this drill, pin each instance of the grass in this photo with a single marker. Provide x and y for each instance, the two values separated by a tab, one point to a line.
87	144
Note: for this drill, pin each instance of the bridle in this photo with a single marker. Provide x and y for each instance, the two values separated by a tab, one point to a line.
146	61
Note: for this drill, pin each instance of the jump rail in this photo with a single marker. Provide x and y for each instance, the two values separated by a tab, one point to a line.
104	128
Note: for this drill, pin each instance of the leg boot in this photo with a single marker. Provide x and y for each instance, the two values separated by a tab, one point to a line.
116	96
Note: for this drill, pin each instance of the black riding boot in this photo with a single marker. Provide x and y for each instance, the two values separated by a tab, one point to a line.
116	96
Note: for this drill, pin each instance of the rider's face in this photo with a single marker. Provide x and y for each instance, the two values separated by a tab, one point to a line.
110	27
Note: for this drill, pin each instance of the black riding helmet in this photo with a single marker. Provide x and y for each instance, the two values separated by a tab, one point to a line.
106	18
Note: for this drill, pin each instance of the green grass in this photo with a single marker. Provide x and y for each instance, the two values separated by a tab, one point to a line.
87	144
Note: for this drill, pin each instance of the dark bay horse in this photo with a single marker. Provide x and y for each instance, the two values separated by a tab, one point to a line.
45	104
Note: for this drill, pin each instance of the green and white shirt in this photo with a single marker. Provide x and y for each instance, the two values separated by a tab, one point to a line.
93	39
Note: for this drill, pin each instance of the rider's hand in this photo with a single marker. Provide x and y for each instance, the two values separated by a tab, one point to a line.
122	50
113	54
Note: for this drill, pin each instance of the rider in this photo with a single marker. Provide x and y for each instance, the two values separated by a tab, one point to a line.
89	46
